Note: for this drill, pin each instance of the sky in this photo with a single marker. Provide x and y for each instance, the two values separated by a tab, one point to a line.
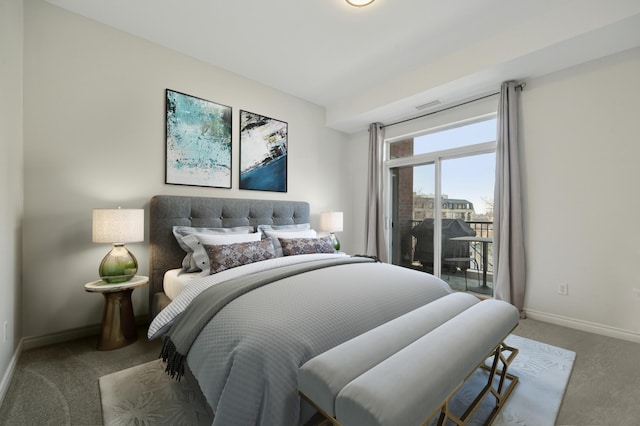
470	178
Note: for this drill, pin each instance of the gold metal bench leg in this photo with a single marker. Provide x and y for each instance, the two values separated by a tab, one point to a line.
328	420
501	358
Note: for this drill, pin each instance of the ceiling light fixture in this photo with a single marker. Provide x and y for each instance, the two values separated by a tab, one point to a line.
360	3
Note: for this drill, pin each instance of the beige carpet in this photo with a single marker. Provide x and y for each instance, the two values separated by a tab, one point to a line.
144	394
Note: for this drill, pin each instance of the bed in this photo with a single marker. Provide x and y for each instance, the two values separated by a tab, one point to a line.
280	312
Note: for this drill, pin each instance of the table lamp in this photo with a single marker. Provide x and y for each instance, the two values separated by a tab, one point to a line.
118	226
331	222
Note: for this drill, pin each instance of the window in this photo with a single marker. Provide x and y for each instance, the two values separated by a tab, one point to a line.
451	168
465	136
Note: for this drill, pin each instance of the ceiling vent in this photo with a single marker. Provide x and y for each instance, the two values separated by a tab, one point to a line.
428	105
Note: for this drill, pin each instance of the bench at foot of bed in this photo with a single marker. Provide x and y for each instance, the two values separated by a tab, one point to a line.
406	371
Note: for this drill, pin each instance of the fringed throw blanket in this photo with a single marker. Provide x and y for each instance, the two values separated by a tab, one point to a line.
190	323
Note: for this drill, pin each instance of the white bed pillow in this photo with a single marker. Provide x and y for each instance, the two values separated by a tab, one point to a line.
289	233
188	265
294	227
200	256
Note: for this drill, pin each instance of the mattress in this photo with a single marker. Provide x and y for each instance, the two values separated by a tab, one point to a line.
175	281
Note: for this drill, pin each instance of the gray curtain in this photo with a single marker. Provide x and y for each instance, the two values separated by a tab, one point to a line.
374	219
509	261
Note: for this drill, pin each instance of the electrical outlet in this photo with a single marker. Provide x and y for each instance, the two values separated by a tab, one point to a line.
563	289
6	329
636	291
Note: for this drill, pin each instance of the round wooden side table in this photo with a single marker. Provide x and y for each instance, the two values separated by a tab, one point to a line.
118	322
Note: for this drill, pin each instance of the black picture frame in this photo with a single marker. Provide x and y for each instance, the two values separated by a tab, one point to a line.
198	141
264	149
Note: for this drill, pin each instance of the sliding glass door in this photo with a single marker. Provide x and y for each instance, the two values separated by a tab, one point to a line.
441	205
410	205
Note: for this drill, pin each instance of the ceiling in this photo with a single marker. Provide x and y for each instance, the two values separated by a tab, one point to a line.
378	63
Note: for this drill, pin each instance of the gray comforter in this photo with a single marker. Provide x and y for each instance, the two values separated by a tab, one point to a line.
188	325
246	358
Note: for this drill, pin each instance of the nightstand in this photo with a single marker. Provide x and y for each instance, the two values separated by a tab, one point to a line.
118	323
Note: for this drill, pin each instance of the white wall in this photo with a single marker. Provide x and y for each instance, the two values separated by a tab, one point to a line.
580	149
11	184
94	137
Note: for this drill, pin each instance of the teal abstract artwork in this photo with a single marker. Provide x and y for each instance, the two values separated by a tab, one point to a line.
198	141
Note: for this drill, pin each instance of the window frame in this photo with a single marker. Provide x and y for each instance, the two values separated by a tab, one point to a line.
435	158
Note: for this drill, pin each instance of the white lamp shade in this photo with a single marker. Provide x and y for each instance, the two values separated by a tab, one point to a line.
118	225
331	221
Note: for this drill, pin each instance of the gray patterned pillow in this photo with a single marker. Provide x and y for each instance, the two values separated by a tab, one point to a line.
188	263
229	256
294	246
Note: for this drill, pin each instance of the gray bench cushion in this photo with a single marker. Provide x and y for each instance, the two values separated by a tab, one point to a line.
408	386
323	377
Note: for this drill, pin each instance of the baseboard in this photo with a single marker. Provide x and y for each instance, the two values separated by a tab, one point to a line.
587	326
73	334
33	342
8	374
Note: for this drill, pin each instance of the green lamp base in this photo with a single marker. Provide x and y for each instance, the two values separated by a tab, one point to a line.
335	241
118	266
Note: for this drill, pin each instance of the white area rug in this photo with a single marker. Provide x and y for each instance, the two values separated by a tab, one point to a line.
543	371
145	395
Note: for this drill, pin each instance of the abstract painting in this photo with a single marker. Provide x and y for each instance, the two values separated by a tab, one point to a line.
263	153
198	142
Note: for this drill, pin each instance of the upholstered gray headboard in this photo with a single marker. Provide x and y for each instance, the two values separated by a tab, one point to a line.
166	211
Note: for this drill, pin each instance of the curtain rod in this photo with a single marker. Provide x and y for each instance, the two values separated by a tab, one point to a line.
441	110
520	86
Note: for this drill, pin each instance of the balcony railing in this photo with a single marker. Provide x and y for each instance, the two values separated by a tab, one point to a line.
482	229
